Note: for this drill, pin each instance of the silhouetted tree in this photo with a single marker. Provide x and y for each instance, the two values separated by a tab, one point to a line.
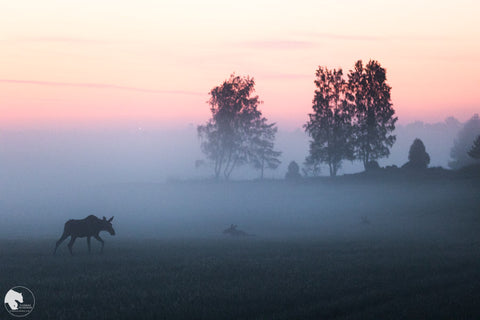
374	119
293	172
237	131
262	155
475	151
330	123
418	157
463	144
372	165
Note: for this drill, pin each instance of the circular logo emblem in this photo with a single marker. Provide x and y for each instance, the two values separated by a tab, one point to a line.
19	301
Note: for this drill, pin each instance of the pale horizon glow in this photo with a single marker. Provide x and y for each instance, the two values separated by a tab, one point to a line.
151	63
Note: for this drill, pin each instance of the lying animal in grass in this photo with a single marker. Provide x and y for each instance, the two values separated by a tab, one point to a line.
234	232
88	227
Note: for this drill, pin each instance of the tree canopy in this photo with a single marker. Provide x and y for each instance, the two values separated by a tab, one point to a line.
237	133
352	119
329	125
418	158
262	154
374	119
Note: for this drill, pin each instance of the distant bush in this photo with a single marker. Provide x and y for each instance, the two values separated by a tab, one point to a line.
293	172
418	158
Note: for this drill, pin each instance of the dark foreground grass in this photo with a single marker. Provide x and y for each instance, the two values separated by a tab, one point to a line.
248	279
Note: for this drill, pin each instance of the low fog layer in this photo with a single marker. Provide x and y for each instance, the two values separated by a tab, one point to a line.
269	209
90	157
48	177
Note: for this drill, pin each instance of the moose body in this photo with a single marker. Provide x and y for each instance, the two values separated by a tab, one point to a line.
88	227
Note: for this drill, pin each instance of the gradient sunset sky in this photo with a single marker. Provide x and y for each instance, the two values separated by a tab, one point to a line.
152	63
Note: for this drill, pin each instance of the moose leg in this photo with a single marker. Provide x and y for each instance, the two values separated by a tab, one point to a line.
70	244
101	240
88	243
62	238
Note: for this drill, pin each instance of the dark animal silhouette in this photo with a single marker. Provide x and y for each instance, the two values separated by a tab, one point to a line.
233	231
88	227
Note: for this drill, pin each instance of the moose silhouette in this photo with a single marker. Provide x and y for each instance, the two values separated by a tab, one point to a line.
88	227
233	231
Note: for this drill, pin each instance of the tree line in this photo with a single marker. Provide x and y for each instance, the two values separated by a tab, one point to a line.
352	119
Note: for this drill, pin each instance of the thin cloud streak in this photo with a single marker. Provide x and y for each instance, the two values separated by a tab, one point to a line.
60	39
288	76
316	37
273	44
335	36
97	86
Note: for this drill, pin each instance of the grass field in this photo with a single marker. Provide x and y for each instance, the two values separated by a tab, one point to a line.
248	279
311	258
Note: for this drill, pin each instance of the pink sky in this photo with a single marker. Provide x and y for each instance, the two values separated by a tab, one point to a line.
152	63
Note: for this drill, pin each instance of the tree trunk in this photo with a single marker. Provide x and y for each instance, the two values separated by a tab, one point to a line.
228	170
225	171
263	165
218	168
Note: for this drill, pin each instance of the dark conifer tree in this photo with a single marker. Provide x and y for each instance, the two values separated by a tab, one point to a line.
418	158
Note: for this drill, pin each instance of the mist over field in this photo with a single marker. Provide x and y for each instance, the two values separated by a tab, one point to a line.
360	245
148	180
193	160
49	157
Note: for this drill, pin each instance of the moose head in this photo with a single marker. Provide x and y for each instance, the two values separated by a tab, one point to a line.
107	225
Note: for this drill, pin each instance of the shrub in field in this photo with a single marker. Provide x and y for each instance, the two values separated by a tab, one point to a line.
418	158
293	172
